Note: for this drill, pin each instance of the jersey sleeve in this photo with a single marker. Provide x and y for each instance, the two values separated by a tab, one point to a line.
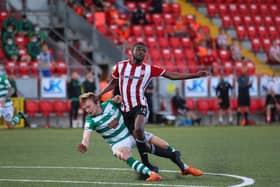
7	83
89	124
157	71
115	73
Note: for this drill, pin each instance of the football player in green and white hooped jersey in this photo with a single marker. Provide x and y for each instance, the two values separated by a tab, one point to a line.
6	104
107	120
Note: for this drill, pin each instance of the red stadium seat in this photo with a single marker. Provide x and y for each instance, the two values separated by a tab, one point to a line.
262	32
168	19
149	30
157	19
155	55
242	9
34	68
228	68
250	68
175	9
59	107
160	31
241	32
213	104
31	107
152	42
222	9
192	67
258	20
166	54
11	67
45	107
186	43
226	21
174	42
61	68
166	8
237	20
256	44
190	54
248	20
163	42
252	33
216	69
24	69
178	54
238	68
224	54
202	106
190	104
253	8
212	9
137	30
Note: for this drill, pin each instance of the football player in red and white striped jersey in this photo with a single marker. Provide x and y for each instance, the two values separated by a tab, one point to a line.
132	76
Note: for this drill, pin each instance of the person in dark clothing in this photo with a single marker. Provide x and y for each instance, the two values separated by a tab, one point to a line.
149	95
244	85
88	85
156	7
12	81
139	17
222	92
180	108
74	91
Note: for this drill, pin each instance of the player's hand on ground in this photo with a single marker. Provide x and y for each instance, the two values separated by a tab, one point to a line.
82	148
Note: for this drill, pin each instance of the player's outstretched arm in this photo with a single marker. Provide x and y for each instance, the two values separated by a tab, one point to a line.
182	76
83	147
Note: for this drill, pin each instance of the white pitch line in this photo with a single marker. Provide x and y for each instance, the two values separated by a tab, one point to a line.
246	180
95	182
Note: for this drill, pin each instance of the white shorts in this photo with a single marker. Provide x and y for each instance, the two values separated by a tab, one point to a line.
130	142
7	112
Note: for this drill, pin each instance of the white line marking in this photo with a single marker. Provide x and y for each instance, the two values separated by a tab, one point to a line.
246	181
95	182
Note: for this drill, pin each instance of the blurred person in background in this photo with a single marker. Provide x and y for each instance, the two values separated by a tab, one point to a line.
139	16
88	85
24	26
34	47
235	50
222	92
45	61
222	39
272	100
74	91
179	105
243	98
274	52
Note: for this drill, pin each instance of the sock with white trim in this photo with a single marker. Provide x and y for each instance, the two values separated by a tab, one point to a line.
138	166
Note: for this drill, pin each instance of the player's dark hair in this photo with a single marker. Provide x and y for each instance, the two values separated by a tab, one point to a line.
138	44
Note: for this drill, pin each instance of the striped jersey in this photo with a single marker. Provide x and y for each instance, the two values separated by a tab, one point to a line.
133	80
110	123
4	89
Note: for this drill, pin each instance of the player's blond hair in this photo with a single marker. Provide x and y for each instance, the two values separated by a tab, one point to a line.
88	95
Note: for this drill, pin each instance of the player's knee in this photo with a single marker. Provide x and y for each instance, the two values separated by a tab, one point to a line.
139	134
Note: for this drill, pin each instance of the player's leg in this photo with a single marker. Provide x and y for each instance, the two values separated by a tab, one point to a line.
7	112
174	155
122	150
140	115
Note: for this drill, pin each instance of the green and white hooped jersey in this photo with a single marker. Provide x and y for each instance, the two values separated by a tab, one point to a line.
110	123
4	88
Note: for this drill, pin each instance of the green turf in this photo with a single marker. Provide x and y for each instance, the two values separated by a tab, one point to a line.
253	152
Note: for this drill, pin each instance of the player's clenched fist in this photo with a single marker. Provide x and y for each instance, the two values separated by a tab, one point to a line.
82	148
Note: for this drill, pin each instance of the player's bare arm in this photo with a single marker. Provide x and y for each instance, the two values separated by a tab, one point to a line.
83	147
182	76
110	86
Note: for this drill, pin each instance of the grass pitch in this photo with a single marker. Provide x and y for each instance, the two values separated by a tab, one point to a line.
48	157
